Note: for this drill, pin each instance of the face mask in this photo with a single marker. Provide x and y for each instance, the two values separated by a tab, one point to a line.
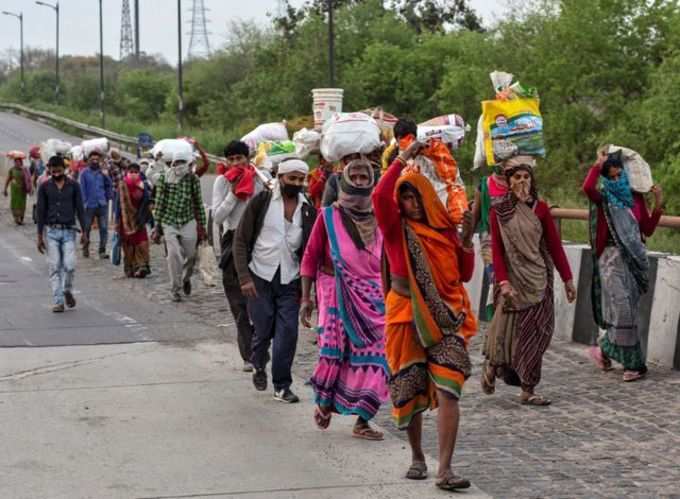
58	177
291	190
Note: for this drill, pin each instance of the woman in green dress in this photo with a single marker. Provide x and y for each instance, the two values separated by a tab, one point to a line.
17	185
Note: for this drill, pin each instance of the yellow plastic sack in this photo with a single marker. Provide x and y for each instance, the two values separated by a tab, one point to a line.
511	128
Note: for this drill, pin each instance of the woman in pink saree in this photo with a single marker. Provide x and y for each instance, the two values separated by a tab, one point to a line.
343	257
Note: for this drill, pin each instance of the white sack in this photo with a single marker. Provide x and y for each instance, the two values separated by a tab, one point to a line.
349	133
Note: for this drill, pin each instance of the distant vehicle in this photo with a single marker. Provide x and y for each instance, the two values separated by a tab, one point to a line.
144	143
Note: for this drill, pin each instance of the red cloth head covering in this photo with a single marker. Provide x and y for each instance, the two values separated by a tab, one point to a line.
34	152
242	179
220	168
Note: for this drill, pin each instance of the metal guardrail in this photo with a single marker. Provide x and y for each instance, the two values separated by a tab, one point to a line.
129	144
668	222
123	142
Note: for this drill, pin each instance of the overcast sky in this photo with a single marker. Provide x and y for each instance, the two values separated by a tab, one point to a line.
80	23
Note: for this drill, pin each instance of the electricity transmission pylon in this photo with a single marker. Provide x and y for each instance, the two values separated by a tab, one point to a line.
199	45
127	42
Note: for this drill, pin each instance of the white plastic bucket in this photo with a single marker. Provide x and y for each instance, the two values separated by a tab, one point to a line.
326	102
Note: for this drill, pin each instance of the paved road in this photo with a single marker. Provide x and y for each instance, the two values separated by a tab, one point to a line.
600	438
17	132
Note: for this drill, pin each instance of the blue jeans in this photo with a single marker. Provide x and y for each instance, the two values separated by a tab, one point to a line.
61	260
274	313
102	215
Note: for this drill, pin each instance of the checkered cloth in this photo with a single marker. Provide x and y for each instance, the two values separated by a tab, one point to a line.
177	204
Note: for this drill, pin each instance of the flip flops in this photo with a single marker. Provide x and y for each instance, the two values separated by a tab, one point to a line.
321	419
450	481
367	433
417	471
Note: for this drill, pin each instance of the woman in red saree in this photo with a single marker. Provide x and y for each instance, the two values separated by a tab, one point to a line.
132	214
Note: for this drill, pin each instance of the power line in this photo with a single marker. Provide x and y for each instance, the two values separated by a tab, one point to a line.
199	45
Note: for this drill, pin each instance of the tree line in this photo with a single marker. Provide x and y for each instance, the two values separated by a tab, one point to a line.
607	71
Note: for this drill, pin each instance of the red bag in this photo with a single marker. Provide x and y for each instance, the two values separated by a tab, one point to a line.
28	181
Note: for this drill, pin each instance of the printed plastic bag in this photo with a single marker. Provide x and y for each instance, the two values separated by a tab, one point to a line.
638	170
349	133
513	127
306	142
268	132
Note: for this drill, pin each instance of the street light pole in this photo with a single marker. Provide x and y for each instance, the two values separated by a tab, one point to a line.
101	65
20	16
180	90
331	45
56	10
137	30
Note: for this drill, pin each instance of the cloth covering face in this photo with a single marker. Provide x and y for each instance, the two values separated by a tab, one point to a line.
355	204
242	179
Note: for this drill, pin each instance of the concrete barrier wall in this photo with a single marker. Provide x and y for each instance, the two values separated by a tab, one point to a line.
659	310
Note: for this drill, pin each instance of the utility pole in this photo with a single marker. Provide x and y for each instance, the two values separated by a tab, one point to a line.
180	90
137	30
56	10
331	46
20	16
101	65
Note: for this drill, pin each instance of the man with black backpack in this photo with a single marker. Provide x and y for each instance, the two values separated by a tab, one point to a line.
231	192
268	247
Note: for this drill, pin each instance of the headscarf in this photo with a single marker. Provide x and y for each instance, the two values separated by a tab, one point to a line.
242	179
533	190
440	304
618	192
354	203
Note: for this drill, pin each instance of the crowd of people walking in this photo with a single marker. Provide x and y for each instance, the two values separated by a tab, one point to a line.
376	252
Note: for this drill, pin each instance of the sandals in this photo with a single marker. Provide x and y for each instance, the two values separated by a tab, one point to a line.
322	419
450	481
488	381
536	400
629	376
417	471
604	363
367	433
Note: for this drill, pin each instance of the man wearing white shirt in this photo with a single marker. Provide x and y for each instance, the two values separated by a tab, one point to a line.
267	250
231	192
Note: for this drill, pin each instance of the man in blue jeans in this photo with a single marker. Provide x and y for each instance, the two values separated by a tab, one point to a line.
96	192
59	203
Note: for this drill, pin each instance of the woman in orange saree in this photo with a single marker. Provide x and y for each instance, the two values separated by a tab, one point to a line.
429	320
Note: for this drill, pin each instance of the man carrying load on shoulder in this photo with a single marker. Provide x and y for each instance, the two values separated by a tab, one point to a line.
180	217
